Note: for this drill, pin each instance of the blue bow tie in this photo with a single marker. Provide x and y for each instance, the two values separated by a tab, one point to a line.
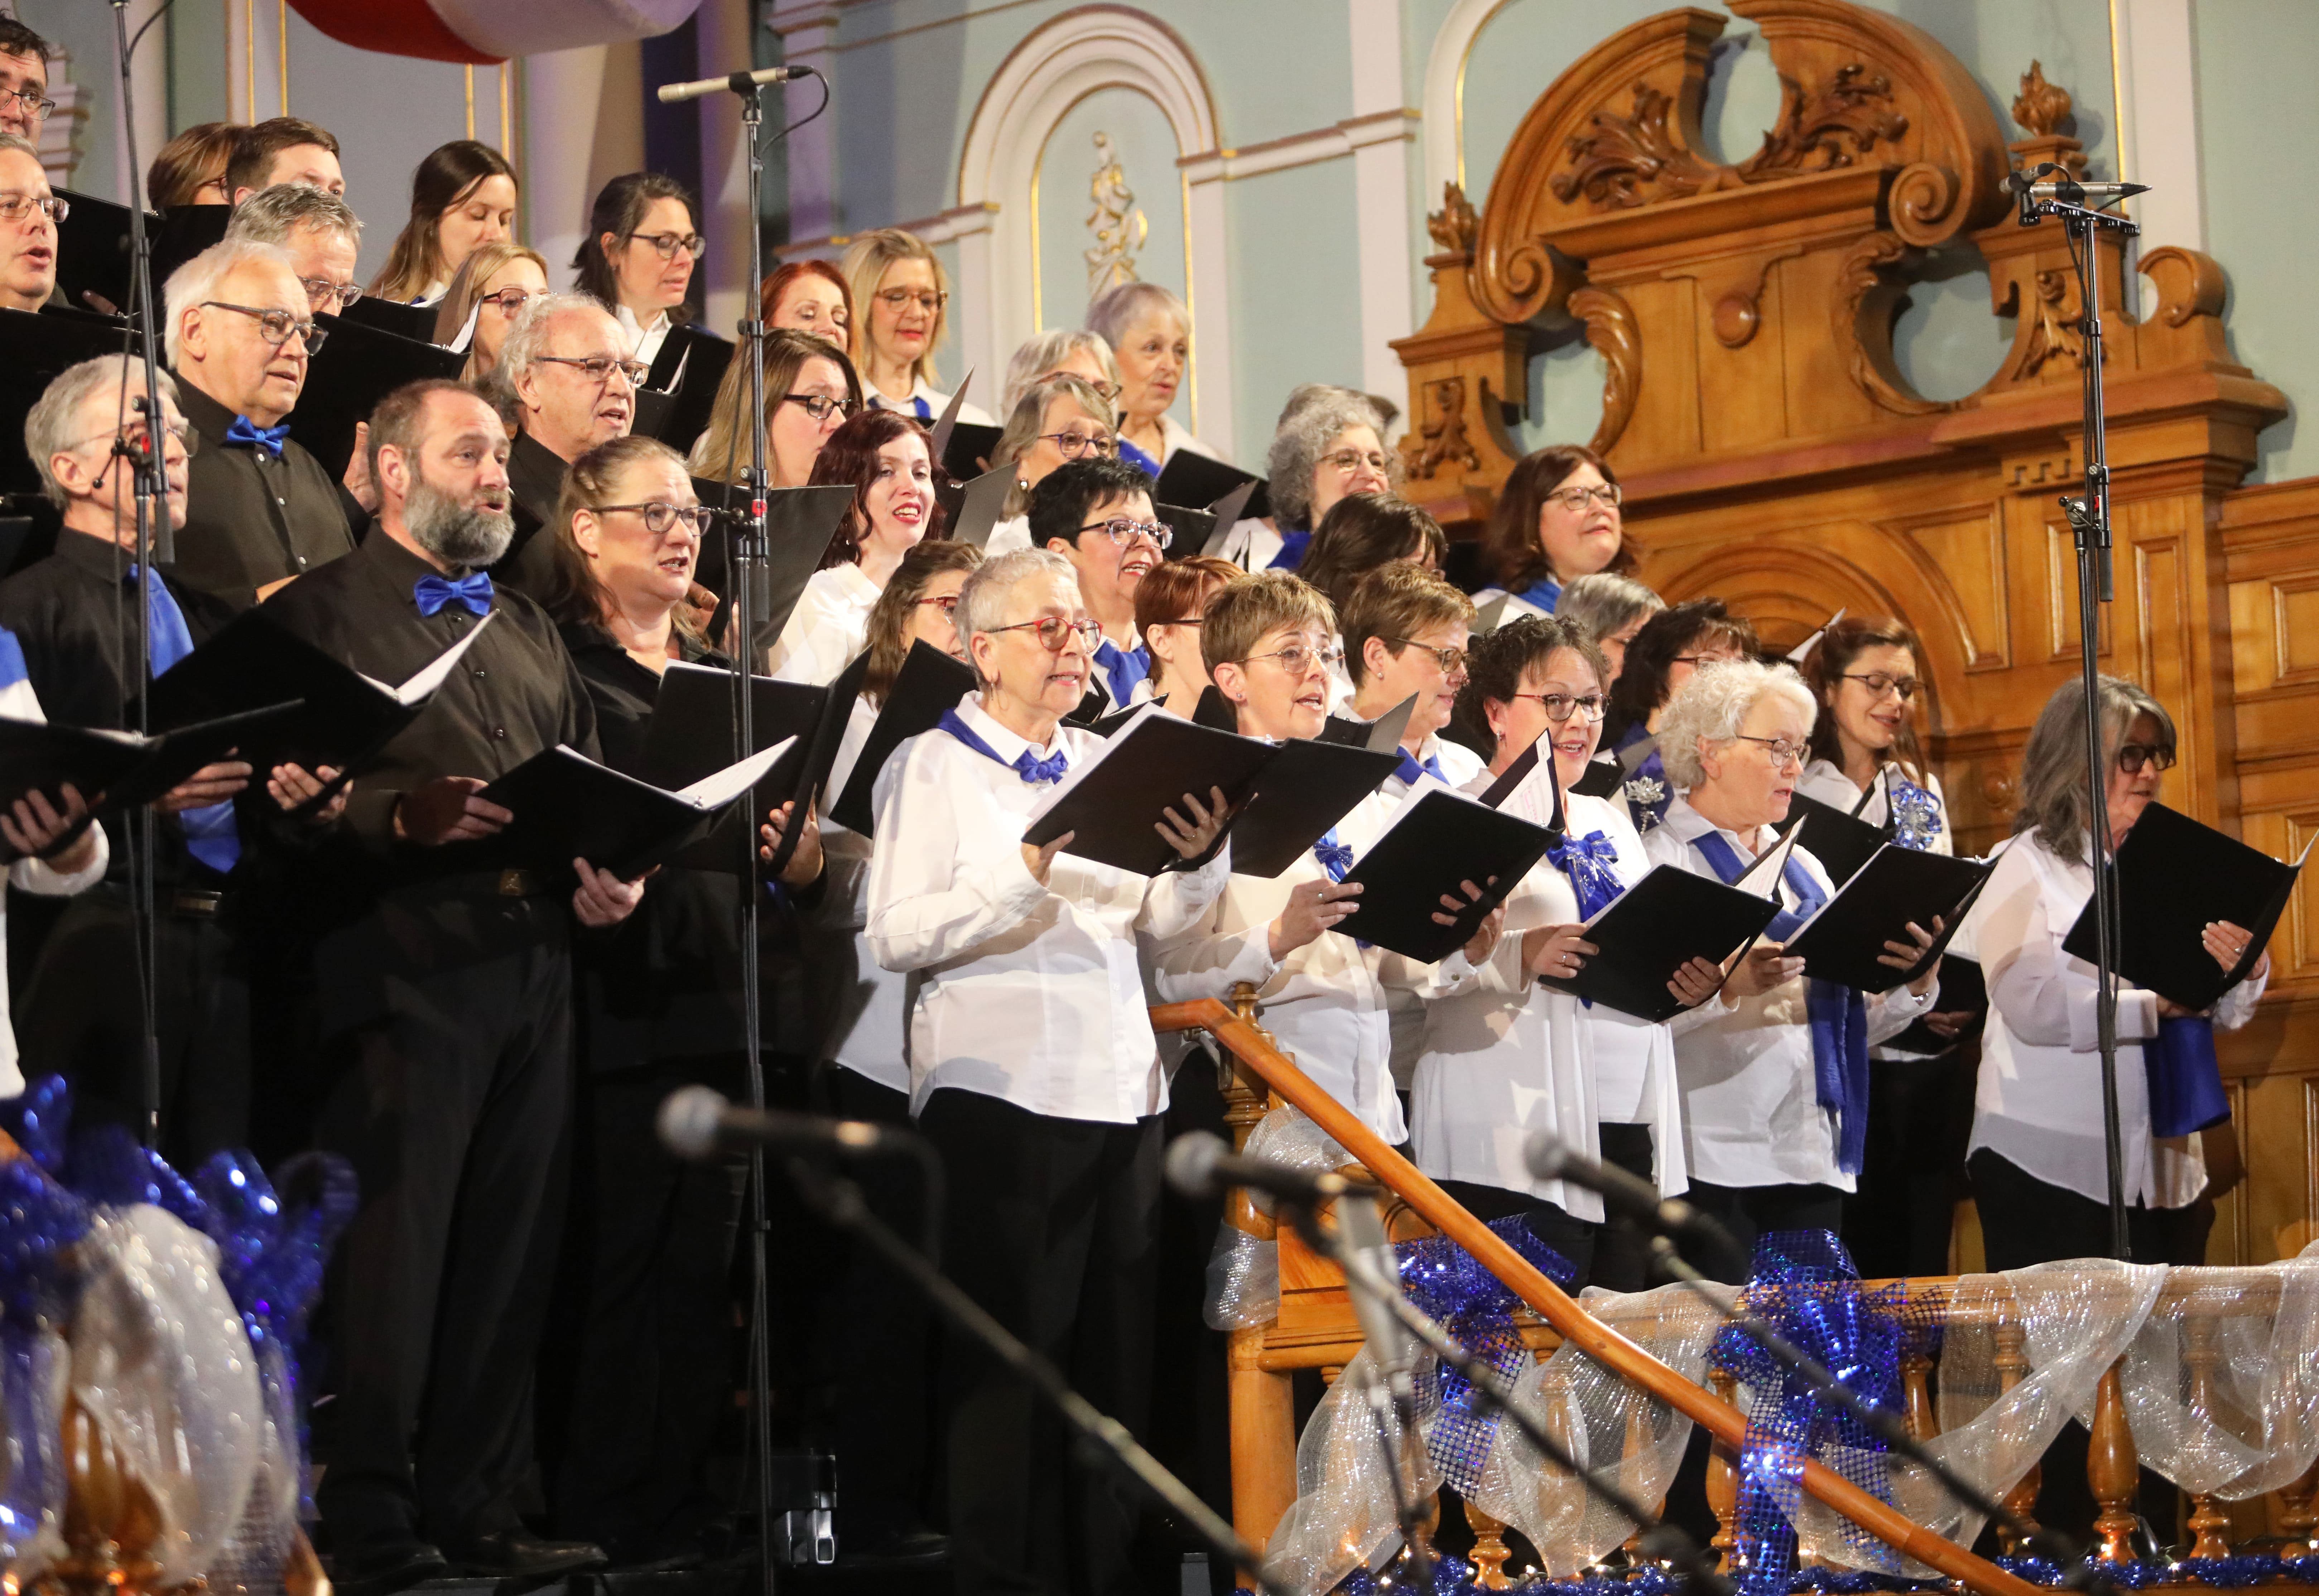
473	590
1409	768
243	434
1335	857
1034	769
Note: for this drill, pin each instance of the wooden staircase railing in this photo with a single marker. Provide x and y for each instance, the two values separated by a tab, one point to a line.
1257	1511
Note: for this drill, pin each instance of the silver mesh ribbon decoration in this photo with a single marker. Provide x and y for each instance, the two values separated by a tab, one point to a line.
1244	1270
1343	1516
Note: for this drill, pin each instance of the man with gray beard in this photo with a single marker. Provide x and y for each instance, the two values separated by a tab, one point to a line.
443	979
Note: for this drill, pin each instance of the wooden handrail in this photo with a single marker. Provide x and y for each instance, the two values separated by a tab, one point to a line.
1548	1301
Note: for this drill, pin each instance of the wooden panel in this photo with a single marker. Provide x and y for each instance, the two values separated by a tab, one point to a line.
2060	600
1970	554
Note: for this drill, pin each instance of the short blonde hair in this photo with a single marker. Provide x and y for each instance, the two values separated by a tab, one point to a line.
1040	354
1240	616
1393	601
864	267
1714	704
1030	412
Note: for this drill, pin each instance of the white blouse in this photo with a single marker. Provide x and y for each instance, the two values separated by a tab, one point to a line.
862	1007
19	702
2038	1101
1751	1105
1253	545
644	339
827	629
922	394
1009	534
1329	1002
1027	993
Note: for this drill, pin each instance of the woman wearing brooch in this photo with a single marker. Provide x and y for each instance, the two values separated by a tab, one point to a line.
1505	1058
1866	762
1672	646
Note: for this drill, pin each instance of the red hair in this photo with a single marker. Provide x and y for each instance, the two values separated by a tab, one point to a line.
777	283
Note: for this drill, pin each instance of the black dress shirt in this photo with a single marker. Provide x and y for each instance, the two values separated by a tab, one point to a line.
250	518
76	614
513	694
536	482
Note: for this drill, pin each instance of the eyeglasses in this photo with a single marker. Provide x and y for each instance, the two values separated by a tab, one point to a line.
1696	660
1296	659
20	207
899	300
1878	684
1123	531
31	99
1055	633
1071	446
322	294
276	326
1574	499
509	300
819	405
666	245
2133	756
1784	750
600	367
1450	660
948	604
660	516
1345	462
224	190
1560	707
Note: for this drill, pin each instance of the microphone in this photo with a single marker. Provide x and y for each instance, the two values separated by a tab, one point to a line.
1361	1230
1201	1164
697	1122
2068	192
740	83
1623	1194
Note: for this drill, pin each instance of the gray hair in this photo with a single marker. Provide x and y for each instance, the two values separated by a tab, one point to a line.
1305	393
1602	603
1305	436
1714	704
525	338
2052	785
18	142
1023	421
272	215
1124	304
198	278
1043	352
53	425
982	601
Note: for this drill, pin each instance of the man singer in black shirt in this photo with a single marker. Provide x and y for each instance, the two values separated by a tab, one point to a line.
444	979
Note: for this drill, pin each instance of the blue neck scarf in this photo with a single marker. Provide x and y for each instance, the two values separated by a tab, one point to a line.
1138	459
1124	669
1838	1014
211	835
2185	1079
12	659
1411	768
1293	545
1544	593
1025	764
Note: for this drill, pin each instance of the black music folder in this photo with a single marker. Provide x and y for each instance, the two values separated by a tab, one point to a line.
1841	843
1436	840
344	717
1110	802
2174	876
1194	478
929	683
1656	927
568	806
357	366
981	502
415	323
1220	518
798	525
36	346
966	455
696	732
685	376
1603	779
123	768
1841	943
1305	788
93	247
1963	989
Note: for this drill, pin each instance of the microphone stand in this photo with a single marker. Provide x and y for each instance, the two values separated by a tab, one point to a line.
1882	1422
2089	522
154	543
1659	1539
839	1201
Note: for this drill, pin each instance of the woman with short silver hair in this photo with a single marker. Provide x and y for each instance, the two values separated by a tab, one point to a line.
1149	332
1061	352
1774	1074
2038	1157
1322	452
1610	608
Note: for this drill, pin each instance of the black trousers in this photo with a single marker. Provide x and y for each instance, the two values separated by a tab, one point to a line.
80	1017
1748	1212
1622	1253
2025	1221
872	1404
644	1372
1912	1176
1051	1226
447	1015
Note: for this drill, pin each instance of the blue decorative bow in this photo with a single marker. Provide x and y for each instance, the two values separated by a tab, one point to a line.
1124	669
1026	764
473	590
1804	1283
1838	1016
1293	544
1409	768
1590	862
1915	814
1449	1285
244	434
1336	857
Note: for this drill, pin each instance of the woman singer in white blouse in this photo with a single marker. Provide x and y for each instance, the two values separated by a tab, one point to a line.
1505	1058
1775	1075
882	458
1033	1068
2039	1161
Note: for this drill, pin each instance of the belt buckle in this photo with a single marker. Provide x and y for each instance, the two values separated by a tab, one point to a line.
518	883
195	901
